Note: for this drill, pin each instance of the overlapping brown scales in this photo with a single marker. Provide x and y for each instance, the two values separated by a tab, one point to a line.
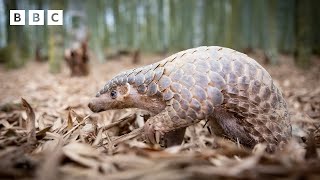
197	80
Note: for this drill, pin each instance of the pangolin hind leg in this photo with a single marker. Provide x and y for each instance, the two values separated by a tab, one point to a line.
225	124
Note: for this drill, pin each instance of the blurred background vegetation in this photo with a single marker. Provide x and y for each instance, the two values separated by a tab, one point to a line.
284	26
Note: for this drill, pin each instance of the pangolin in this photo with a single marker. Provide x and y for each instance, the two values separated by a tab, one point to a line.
220	85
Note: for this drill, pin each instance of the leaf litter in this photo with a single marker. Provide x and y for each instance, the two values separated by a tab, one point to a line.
47	132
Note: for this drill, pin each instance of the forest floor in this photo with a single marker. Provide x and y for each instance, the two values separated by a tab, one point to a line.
52	134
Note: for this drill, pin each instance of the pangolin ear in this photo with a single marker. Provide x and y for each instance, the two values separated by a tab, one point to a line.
125	90
127	87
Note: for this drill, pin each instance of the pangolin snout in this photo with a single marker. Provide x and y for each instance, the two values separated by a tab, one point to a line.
94	107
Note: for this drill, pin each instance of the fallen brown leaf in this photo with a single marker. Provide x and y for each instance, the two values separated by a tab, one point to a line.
31	128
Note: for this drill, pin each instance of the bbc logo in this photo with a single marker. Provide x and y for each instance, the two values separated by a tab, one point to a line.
36	17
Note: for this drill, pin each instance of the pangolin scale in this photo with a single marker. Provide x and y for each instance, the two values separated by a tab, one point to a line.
227	88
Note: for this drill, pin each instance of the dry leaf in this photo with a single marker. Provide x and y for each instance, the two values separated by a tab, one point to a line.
31	128
70	122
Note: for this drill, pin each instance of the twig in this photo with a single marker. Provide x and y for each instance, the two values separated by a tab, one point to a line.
111	125
75	127
110	145
128	136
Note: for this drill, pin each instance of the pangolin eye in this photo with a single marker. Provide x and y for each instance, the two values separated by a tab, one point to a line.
113	94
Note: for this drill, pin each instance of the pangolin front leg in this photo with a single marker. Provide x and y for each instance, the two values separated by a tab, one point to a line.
164	129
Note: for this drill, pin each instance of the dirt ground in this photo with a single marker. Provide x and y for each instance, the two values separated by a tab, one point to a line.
53	135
